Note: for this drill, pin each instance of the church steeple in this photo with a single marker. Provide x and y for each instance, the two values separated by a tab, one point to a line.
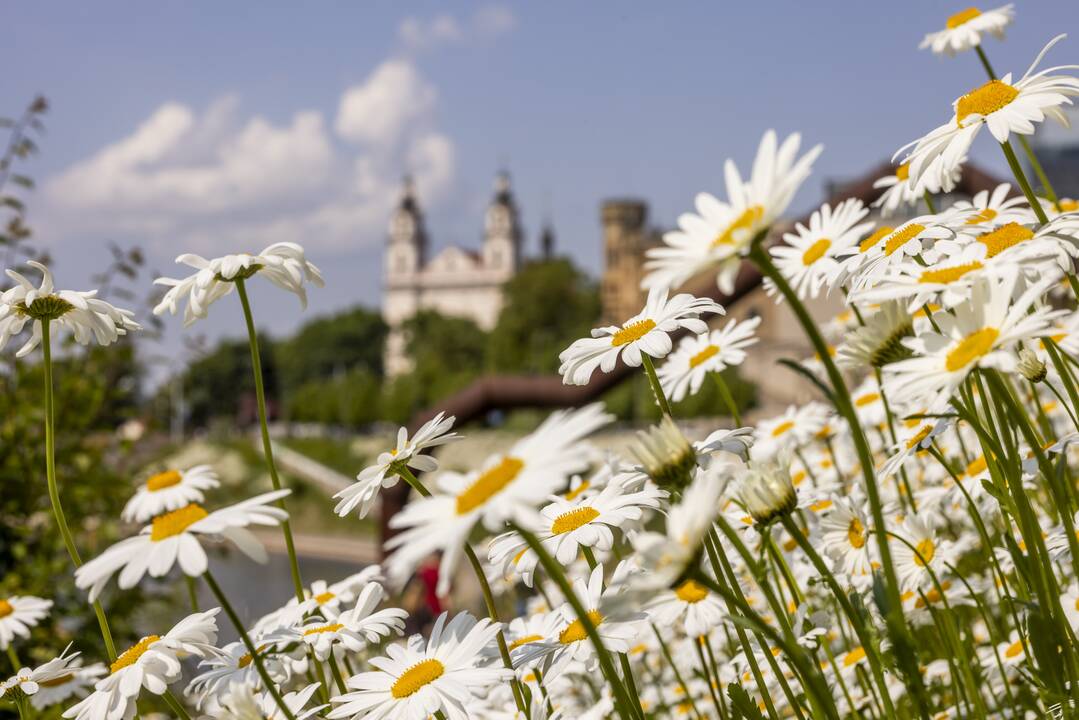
502	228
407	251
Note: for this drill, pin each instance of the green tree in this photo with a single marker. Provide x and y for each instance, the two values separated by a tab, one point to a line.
220	385
333	344
548	305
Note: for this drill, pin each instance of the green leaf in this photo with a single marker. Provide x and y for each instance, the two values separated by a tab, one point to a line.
744	707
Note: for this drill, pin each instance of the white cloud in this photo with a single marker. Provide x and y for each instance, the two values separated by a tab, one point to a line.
425	34
218	179
392	100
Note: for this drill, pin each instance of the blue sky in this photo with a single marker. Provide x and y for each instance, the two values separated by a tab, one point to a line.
217	127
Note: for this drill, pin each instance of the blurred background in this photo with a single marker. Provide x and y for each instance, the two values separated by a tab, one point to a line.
478	182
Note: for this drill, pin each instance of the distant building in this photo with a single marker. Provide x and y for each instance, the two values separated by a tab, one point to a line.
457	281
626	237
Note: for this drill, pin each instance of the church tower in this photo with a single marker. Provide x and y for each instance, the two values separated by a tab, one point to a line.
502	233
407	251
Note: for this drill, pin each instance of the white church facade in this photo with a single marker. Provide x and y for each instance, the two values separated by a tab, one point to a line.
457	281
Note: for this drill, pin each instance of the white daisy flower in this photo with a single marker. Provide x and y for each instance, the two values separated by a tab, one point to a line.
1004	106
383	474
420	678
879	341
283	264
152	663
980	333
795	427
243	703
175	537
963	30
74	681
808	257
913	567
356	628
690	607
329	600
668	555
945	283
29	681
565	638
80	313
510	486
993	209
565	526
899	193
845	537
233	665
867	264
19	613
738	442
721	231
648	331
697	355
169	490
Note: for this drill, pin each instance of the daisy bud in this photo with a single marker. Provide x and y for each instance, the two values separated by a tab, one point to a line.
666	455
1030	367
767	490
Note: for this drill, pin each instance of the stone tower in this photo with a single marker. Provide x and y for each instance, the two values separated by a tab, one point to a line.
407	250
502	234
626	237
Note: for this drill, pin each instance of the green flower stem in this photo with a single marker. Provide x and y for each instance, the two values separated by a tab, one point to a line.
267	446
897	627
16	666
713	683
554	572
657	389
337	677
707	642
488	597
1037	166
251	649
728	399
929	203
54	492
1024	184
864	637
631	685
677	673
175	705
192	592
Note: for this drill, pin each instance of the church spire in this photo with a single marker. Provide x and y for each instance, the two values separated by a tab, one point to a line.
502	228
407	234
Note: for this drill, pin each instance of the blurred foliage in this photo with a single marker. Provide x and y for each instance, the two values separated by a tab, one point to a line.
219	384
96	391
548	305
332	345
15	234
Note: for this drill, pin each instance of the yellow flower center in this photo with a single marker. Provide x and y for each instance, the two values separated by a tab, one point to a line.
922	435
525	641
246	658
949	274
175	522
749	217
984	100
323	629
570	521
488	484
1004	237
1014	650
576	492
867	399
691	592
854	656
962	17
782	428
6	608
976	466
933	595
982	217
816	251
707	352
970	348
856	534
871	241
820	505
901	237
164	480
132	654
413	679
903	171
323	598
575	632
632	332
798	477
926	550
1067	205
